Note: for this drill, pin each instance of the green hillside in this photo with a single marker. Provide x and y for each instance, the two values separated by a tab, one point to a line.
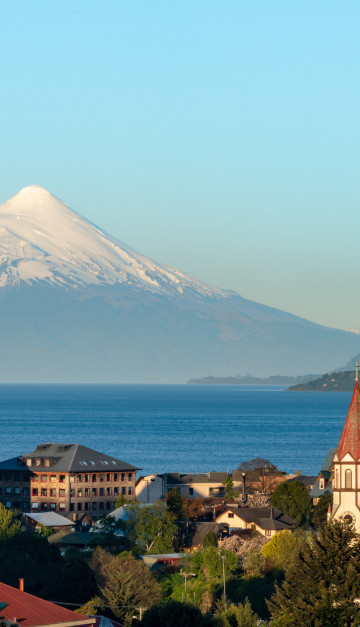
333	382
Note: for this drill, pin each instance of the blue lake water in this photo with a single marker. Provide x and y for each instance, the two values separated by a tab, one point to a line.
172	428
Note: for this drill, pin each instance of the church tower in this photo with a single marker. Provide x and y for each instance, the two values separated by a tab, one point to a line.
346	464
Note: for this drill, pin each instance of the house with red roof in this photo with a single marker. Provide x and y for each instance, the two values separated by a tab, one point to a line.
26	610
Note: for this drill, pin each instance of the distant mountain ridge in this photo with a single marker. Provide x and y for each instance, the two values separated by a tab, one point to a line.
250	380
77	305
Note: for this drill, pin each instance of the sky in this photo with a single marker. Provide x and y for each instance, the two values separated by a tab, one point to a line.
220	138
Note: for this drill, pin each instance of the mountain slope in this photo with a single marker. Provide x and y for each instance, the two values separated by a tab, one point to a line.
78	305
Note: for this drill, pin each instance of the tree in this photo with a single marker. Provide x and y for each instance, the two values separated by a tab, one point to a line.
152	529
120	501
282	550
124	581
229	487
242	545
9	525
323	584
319	516
175	504
232	615
209	540
194	507
293	499
175	614
256	464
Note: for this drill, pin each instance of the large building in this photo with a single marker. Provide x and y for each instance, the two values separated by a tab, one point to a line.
65	478
346	465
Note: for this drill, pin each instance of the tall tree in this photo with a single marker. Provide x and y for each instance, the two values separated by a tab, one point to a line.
175	504
319	515
9	525
282	550
232	615
152	529
292	498
322	586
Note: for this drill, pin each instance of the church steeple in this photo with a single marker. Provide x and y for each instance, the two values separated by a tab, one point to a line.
350	437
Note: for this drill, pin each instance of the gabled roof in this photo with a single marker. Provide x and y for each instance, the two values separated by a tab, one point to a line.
75	458
31	611
350	437
264	517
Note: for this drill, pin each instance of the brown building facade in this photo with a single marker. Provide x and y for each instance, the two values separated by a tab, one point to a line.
65	478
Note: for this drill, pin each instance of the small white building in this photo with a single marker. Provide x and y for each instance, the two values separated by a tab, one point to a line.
266	520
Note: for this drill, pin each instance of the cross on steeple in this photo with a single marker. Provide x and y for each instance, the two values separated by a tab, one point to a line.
357	372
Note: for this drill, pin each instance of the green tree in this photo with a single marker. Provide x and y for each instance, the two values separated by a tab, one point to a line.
282	550
9	525
292	498
232	615
45	532
124	581
319	516
152	529
209	540
175	614
175	504
77	581
323	584
121	500
229	487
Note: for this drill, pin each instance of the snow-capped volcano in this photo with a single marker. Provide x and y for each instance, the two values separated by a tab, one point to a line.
131	319
42	239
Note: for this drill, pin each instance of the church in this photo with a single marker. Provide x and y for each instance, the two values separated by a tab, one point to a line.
346	465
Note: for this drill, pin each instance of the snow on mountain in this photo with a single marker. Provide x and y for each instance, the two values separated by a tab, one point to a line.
43	240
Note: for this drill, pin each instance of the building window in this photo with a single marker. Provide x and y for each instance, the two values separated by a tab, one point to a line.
94	507
123	490
108	477
62	507
71	507
130	476
62	478
35	491
80	492
53	492
191	491
43	477
268	532
53	478
8	490
348	480
46	463
8	504
101	491
79	507
87	478
26	491
321	484
93	478
94	491
35	505
101	505
87	506
337	479
108	491
78	478
230	515
35	477
43	492
108	505
61	492
28	462
87	491
122	476
129	490
8	476
116	476
116	491
17	491
101	477
52	505
37	462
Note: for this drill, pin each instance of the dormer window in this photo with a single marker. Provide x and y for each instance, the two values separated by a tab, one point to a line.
47	462
321	483
37	462
28	461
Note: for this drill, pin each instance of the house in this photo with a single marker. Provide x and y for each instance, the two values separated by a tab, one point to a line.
323	482
192	533
30	611
167	561
54	521
266	520
65	478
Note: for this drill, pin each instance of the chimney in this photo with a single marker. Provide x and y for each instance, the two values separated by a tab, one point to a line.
21	584
271	513
297	473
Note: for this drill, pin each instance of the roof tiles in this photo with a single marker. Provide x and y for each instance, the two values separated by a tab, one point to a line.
350	437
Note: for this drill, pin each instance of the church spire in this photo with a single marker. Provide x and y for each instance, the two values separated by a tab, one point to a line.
350	437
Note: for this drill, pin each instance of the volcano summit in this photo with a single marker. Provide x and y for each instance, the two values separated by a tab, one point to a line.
77	305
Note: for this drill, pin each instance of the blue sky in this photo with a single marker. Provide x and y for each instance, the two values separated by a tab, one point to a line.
221	138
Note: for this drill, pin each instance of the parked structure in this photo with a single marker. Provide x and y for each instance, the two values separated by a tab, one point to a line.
65	478
346	465
266	520
50	520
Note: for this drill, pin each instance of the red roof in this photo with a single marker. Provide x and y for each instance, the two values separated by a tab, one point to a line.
350	437
30	611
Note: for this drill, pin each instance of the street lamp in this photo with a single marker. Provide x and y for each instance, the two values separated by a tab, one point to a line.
223	559
187	575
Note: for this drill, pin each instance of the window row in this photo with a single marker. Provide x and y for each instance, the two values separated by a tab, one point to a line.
85	478
61	507
54	492
16	476
17	491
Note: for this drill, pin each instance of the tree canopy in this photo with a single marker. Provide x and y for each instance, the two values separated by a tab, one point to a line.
9	525
321	587
175	504
152	528
292	498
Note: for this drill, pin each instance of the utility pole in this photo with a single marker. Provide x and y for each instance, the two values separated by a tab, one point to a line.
223	559
186	575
